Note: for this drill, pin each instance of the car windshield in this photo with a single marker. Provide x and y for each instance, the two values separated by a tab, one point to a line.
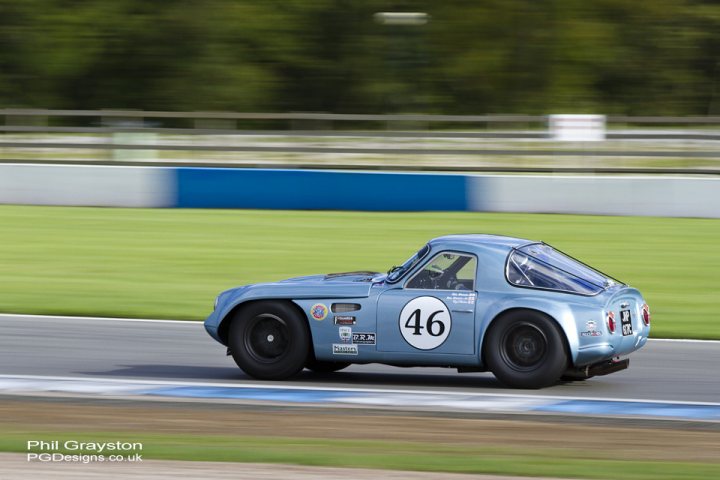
541	266
396	272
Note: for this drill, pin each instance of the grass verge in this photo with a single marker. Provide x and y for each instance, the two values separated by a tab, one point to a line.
172	263
529	446
412	456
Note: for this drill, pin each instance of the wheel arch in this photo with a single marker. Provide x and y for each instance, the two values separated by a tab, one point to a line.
500	315
224	326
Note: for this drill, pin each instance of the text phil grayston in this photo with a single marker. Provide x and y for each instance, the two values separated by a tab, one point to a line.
76	446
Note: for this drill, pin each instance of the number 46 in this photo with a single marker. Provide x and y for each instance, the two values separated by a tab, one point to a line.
434	327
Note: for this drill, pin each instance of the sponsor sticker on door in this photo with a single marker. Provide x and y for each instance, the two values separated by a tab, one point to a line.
361	338
344	349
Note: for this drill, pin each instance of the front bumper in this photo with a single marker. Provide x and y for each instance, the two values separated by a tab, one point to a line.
211	326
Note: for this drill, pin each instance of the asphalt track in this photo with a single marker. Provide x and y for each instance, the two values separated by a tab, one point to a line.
680	371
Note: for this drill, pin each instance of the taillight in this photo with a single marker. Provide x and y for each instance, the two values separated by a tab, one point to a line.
611	322
646	314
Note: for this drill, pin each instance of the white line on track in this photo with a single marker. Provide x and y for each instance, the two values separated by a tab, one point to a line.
198	322
267	386
684	340
96	319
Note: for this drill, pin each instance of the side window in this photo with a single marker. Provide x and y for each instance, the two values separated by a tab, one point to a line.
446	271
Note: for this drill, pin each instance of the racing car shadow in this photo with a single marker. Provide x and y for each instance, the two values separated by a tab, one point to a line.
402	378
389	376
169	372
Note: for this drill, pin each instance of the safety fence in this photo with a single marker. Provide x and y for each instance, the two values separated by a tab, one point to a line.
531	143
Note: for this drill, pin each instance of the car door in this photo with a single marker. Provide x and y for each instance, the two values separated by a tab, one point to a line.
433	311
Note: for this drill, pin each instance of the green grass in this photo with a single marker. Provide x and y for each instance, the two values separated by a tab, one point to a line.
171	263
413	456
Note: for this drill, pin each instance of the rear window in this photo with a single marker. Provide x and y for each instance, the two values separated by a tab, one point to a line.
541	266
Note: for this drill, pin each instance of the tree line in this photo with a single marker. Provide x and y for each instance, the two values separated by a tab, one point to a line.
635	57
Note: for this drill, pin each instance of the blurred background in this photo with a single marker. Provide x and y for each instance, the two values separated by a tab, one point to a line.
463	85
642	57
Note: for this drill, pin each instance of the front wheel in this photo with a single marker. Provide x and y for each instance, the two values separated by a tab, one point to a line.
525	349
269	340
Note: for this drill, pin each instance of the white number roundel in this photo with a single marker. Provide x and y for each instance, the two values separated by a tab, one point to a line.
425	323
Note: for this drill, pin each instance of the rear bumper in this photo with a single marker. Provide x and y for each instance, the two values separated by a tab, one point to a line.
594	354
616	346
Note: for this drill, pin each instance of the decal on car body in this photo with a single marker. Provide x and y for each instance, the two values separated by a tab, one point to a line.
425	323
361	338
344	349
345	334
591	331
344	320
463	298
319	311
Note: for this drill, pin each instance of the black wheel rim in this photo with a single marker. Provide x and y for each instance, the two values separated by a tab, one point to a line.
267	338
523	346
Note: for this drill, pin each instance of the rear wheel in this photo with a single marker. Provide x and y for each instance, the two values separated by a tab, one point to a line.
269	340
525	349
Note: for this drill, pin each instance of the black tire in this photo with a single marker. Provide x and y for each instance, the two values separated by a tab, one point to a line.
269	340
526	349
325	367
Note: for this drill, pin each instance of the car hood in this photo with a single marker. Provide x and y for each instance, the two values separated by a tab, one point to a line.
336	278
334	285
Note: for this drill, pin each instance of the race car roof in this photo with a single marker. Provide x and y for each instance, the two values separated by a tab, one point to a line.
478	240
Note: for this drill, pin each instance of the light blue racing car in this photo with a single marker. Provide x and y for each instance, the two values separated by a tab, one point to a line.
521	309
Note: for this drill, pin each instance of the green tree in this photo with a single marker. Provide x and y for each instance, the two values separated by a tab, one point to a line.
652	57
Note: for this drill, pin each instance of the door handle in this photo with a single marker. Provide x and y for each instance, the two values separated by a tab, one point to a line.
462	311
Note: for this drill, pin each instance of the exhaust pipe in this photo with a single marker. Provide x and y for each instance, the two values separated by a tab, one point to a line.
597	369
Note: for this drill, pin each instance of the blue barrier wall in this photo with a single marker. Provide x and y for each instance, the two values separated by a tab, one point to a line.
318	190
195	187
